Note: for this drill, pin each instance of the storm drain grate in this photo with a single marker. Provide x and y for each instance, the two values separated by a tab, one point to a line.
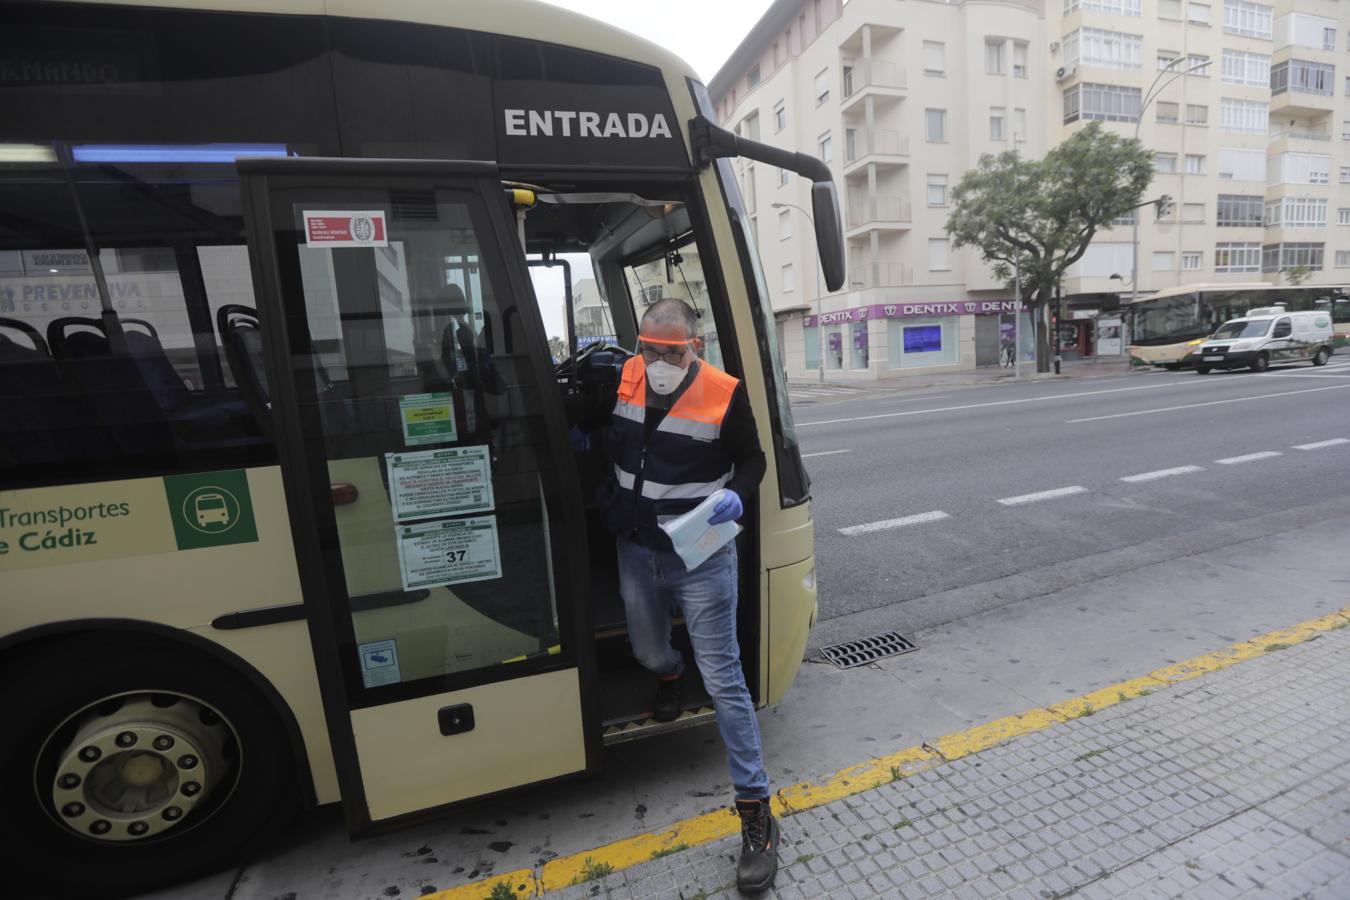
851	654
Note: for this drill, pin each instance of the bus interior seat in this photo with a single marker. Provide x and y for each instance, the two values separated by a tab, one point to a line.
197	415
41	419
241	336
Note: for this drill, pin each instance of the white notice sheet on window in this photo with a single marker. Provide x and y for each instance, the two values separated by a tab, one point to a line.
447	482
453	551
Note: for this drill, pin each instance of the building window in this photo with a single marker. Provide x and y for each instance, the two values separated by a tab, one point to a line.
1195	164
1192	213
1166	58
1298	168
1241	67
1345	130
779	116
1191	260
1020	124
1242	164
934	58
1239	211
1305	30
825	144
811	336
1103	102
1343	259
1104	49
1303	77
922	342
996	118
1019	59
752	78
1196	65
1120	7
783	177
935	123
1197	13
1169	9
1126	218
1296	212
1248	19
859	351
1345	174
750	127
789	278
1343	216
1103	259
937	190
993	57
939	250
822	86
1280	257
1167	112
1164	260
1164	163
1244	116
1237	257
784	224
1197	114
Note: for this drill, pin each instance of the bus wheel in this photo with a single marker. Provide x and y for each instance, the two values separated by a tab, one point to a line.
1261	363
1202	370
1322	356
135	764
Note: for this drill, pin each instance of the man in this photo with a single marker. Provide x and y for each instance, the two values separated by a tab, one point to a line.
681	429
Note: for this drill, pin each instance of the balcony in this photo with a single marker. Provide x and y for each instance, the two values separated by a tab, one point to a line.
1300	136
879	275
882	146
871	77
872	213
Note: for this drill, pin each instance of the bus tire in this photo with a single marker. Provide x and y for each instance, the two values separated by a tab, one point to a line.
1262	362
1321	357
95	725
1202	370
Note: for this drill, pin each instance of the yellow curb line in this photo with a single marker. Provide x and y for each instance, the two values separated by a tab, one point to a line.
630	851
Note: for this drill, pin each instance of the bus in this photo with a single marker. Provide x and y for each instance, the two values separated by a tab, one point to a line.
289	513
1166	327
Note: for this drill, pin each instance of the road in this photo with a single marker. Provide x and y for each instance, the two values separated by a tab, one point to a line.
921	492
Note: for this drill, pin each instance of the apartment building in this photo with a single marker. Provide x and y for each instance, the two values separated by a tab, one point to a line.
1246	104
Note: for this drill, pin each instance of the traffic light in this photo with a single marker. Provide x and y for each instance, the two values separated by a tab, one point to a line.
1163	206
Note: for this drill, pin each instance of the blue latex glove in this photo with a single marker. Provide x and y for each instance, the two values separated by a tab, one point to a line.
727	509
581	441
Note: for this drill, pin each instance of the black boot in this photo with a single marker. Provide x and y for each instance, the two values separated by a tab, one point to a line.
759	847
669	700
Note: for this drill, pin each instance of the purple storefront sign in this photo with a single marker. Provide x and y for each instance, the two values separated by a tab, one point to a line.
912	310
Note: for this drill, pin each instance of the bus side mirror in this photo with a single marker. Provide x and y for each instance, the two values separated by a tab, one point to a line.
711	141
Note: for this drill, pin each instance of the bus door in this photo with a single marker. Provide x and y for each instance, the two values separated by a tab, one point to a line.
434	508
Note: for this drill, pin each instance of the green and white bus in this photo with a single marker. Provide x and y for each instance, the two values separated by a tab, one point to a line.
288	509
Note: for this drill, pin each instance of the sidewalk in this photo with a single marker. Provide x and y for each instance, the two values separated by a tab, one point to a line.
1234	784
1078	368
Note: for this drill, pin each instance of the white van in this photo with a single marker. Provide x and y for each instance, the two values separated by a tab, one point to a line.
1264	336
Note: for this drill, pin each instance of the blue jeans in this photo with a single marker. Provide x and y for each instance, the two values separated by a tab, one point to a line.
652	583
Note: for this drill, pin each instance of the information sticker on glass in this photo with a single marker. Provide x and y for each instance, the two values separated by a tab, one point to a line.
446	482
427	418
452	551
379	663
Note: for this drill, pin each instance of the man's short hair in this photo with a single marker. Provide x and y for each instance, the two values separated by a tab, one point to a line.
672	311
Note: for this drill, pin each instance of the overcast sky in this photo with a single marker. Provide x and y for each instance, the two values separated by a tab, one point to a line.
702	32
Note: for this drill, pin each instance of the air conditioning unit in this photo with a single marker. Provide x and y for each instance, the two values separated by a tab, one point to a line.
1064	73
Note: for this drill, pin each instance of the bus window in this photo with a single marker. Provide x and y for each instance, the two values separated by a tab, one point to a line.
676	272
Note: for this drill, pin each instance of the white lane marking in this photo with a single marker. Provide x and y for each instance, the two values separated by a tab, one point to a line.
1162	473
1309	375
1043	495
884	524
919	412
1162	409
824	453
1248	457
1320	444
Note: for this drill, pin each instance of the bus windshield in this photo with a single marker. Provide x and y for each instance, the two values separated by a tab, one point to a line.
1243	329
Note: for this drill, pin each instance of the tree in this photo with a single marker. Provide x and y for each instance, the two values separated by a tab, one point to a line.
1044	213
1296	275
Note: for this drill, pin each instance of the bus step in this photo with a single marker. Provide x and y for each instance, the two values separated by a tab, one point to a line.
618	733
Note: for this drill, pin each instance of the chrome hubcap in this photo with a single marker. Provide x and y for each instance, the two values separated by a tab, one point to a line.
138	765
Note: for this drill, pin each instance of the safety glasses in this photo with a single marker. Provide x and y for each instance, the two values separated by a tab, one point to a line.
653	349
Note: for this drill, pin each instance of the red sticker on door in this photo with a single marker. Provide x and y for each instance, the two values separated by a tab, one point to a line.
345	228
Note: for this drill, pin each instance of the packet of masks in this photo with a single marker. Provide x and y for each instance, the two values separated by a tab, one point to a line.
694	539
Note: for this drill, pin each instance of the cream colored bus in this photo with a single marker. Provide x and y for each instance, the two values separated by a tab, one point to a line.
289	513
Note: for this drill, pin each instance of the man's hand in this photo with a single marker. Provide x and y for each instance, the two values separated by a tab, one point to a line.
727	509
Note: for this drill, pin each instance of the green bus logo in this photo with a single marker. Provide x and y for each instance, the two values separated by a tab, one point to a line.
210	509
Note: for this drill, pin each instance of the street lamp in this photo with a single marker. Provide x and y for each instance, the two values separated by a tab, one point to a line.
820	308
1153	92
1017	276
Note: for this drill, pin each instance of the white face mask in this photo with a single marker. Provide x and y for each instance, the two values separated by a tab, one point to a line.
663	377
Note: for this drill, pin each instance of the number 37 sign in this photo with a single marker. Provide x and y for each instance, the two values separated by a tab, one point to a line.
451	551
